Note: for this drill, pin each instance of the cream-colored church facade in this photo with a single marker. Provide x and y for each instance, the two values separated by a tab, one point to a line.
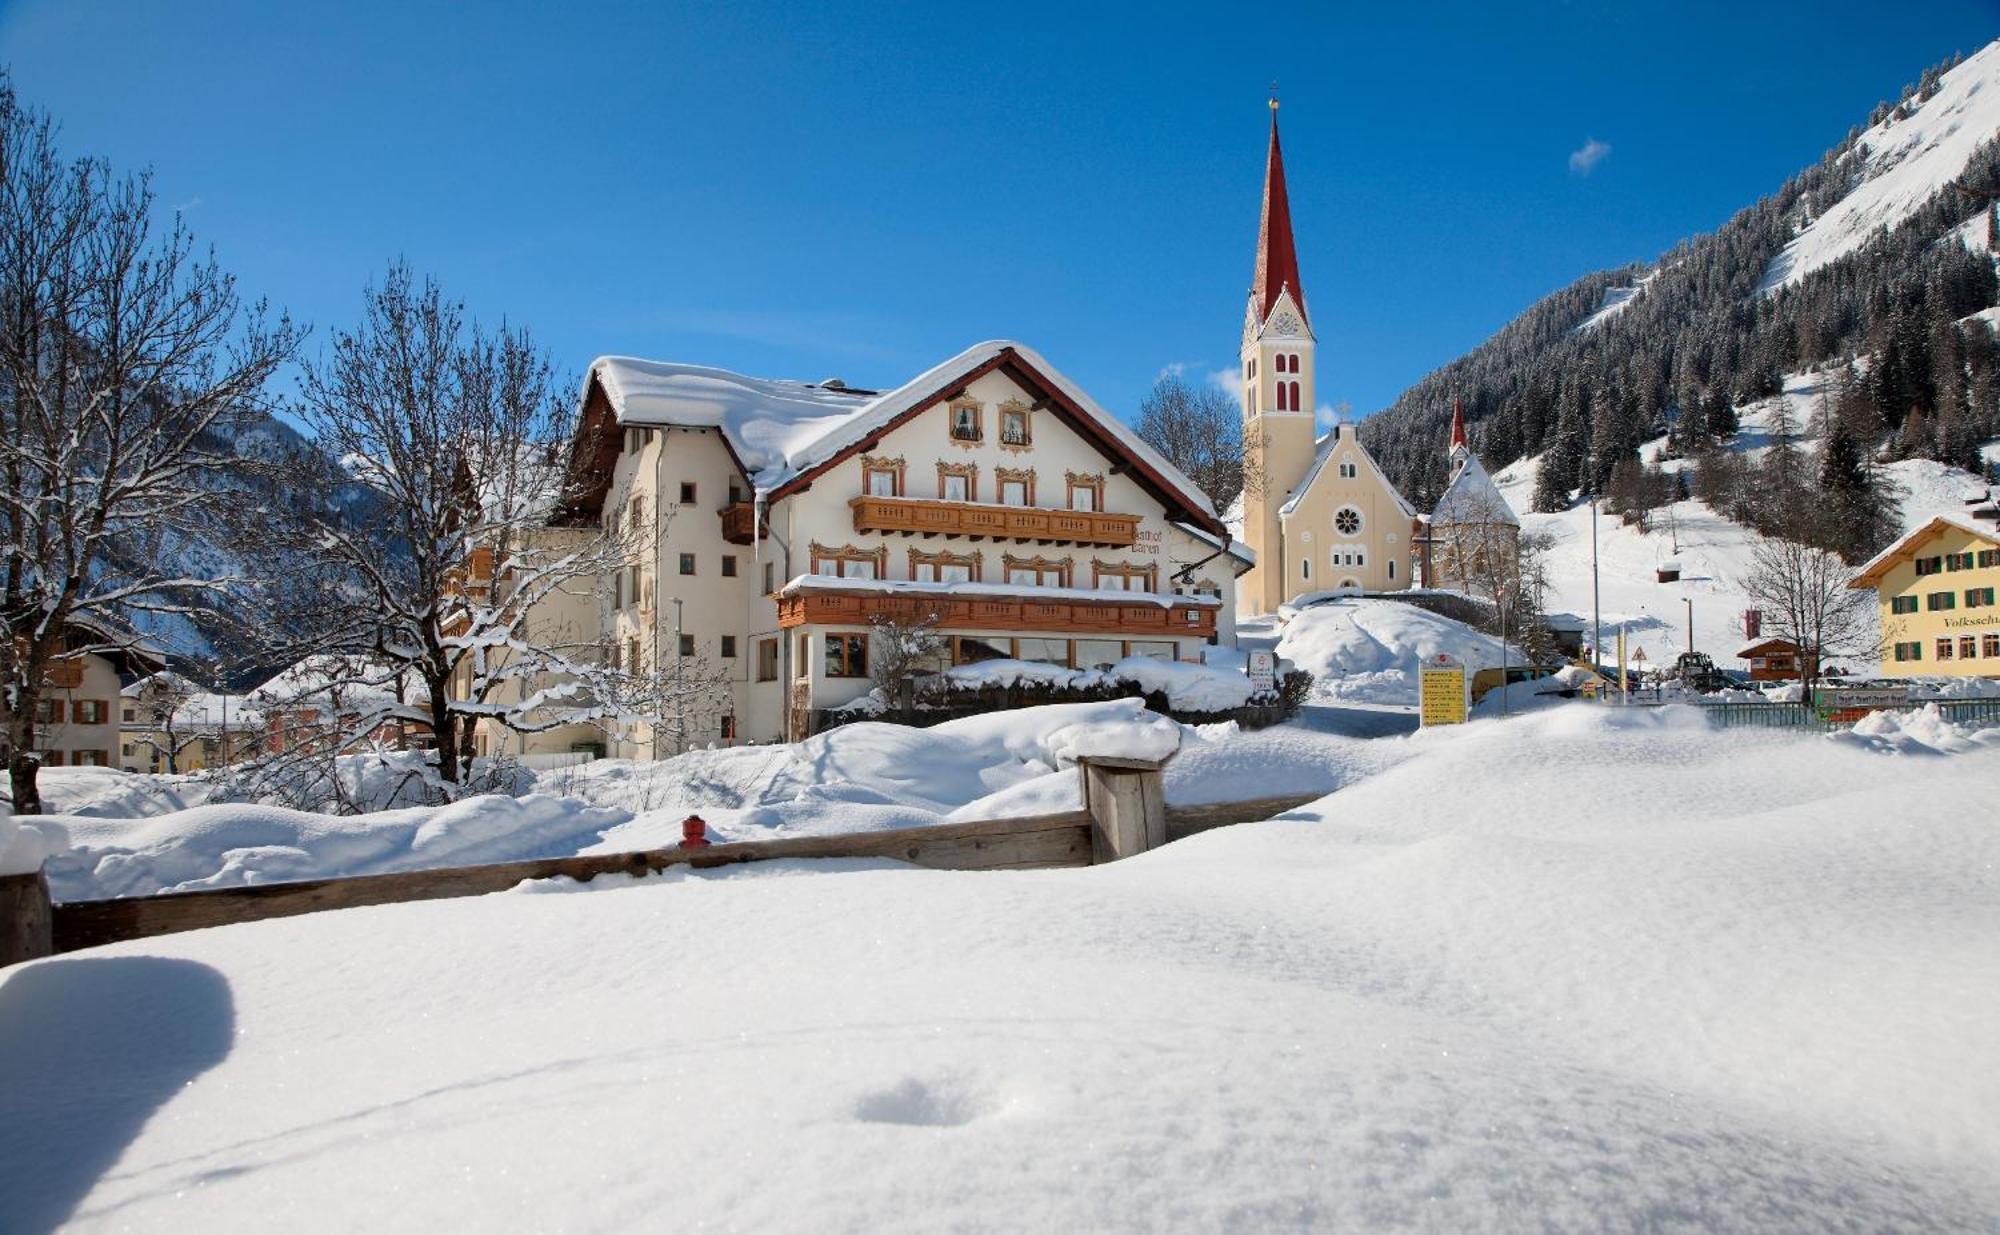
1318	513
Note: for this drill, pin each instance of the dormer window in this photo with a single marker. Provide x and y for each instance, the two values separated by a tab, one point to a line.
965	422
1014	429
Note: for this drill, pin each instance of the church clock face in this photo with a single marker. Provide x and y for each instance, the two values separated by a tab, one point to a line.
1286	323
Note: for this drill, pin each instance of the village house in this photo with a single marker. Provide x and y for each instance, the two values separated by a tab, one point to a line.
1779	660
169	724
1936	587
1473	538
77	718
774	525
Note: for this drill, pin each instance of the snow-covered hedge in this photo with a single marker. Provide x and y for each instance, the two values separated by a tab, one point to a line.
1193	693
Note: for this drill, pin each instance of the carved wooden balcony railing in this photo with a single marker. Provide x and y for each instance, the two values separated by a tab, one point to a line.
981	521
976	612
738	521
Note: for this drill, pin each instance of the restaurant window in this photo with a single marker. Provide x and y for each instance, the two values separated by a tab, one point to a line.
767	660
846	656
1086	492
1014	428
965	422
1042	651
1098	653
1150	650
971	649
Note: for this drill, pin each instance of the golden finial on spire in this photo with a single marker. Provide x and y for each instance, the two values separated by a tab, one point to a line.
1274	95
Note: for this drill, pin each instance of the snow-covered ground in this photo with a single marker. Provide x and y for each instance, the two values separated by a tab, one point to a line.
134	835
1593	969
1365	651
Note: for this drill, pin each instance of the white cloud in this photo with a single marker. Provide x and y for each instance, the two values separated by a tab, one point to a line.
1585	158
1177	369
1223	380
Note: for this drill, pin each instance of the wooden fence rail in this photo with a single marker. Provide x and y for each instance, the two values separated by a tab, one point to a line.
1126	814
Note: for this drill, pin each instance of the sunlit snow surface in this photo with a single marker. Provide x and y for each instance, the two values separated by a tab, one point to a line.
1587	970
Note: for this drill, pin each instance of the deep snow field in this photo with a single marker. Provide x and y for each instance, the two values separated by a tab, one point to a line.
1591	969
135	835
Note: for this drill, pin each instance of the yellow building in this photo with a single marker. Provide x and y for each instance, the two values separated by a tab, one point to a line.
1937	587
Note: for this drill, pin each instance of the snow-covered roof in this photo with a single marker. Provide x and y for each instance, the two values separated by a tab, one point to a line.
1872	570
1472	497
1323	451
905	587
363	682
194	708
1243	554
783	429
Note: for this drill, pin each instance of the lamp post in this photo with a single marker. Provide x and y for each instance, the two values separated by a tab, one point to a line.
1596	604
1503	651
1689	602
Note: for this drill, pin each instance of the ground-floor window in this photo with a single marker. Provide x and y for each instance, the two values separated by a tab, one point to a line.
1150	649
92	759
1944	648
1989	645
1043	651
1968	648
972	649
729	728
846	656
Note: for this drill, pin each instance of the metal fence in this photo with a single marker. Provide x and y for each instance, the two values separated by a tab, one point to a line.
1803	716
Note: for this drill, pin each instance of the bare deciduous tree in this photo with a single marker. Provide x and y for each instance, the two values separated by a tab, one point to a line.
125	353
1200	431
1805	598
459	433
905	647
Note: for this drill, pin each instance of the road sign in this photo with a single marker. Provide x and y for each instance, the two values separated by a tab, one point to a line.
1264	670
1441	691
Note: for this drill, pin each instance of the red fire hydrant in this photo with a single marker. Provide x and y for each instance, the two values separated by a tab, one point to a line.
694	833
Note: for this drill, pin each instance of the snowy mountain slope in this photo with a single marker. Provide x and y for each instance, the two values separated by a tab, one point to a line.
1899	164
1616	301
1714	552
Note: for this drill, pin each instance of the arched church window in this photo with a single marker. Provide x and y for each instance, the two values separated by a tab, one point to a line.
1295	395
1284	397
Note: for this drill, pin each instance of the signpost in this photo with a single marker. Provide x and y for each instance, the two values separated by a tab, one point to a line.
1264	670
1441	691
1845	704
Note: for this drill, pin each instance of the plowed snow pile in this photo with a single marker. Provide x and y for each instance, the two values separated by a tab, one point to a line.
1585	970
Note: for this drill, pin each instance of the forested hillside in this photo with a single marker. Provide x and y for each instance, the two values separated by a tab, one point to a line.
1877	263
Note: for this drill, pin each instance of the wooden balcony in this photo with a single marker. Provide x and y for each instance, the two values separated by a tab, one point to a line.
982	521
985	612
739	520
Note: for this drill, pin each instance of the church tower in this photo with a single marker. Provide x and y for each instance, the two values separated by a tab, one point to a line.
1277	390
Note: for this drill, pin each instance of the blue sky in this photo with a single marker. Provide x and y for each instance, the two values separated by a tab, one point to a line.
816	190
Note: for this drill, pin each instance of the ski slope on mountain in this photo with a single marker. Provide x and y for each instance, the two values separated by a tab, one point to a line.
1476	992
1900	164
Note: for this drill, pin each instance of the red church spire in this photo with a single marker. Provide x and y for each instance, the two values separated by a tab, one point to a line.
1277	259
1458	441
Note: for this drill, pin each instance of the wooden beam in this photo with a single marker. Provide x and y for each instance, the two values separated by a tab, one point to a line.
26	919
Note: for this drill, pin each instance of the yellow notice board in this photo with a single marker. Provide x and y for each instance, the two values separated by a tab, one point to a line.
1441	697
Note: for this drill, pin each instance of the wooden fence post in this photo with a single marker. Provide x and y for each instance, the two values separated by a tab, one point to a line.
26	920
1127	801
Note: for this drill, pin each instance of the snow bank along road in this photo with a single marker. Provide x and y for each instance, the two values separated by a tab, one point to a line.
1586	970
